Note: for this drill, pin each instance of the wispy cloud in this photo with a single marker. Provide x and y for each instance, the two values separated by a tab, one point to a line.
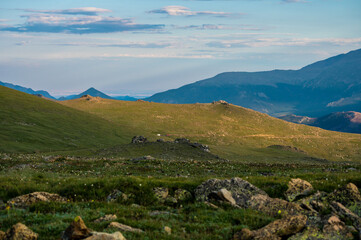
55	23
120	45
267	42
91	11
184	11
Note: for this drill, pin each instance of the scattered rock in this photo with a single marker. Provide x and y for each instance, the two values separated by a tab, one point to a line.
336	228
140	159
286	226
76	230
105	236
106	218
346	215
139	139
168	230
182	195
287	148
170	200
223	195
220	102
161	140
19	232
200	146
241	190
316	202
28	199
117	195
157	213
182	140
298	187
274	206
160	193
346	195
124	228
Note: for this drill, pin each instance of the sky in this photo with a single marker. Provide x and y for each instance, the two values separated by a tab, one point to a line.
141	47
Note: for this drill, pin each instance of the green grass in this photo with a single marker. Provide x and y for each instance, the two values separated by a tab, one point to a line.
87	181
232	132
32	124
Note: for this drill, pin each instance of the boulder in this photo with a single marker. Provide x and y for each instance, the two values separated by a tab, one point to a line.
117	195
105	236
336	228
222	102
241	190
346	215
168	230
160	193
223	195
19	232
274	206
345	195
298	187
286	226
202	147
182	195
28	199
124	228
315	203
106	218
182	140
139	139
76	230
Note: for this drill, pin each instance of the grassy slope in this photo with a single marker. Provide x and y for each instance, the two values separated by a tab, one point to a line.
29	123
231	131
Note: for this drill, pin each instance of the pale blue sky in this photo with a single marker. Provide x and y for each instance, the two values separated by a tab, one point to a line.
139	47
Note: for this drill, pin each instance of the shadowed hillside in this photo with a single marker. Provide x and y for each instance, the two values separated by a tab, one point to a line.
30	123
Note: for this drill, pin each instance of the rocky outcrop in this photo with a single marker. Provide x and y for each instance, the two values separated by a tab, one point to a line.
274	206
139	139
345	195
336	229
117	195
28	199
160	193
286	226
124	228
298	187
241	190
223	195
19	232
182	195
315	203
346	214
106	218
76	230
105	236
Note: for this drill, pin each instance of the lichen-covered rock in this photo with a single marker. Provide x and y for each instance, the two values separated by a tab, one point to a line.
315	203
117	195
346	214
223	195
19	232
286	226
336	229
139	139
76	230
346	195
160	193
241	190
182	195
105	236
28	199
124	228
106	218
298	187
274	206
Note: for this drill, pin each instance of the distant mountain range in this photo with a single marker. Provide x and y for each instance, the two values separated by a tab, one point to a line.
27	90
338	121
91	91
331	85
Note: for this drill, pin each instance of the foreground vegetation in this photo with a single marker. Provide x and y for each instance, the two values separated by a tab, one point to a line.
87	181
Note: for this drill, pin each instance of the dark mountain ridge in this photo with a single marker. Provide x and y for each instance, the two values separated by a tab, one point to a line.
310	90
27	90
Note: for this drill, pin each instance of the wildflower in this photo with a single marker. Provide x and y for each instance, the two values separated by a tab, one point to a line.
279	212
7	208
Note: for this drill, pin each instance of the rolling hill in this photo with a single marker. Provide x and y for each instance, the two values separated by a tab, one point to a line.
320	88
33	124
232	132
